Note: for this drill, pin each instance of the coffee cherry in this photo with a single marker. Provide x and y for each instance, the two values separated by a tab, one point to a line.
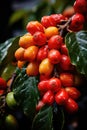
34	26
48	21
73	92
3	84
30	53
80	6
39	38
39	105
77	22
19	54
51	31
43	86
54	84
46	67
54	56
61	96
65	62
55	42
10	100
26	41
11	122
64	49
71	106
42	52
20	64
67	79
58	18
48	97
32	69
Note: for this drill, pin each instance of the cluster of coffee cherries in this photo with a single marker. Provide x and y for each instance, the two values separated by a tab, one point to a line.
43	49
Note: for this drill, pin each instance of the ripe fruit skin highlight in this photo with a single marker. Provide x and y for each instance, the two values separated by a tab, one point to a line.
54	84
30	53
71	106
48	97
42	53
32	69
61	97
19	54
34	26
80	6
73	92
26	41
77	22
46	67
39	38
54	56
51	31
65	62
55	42
43	86
48	21
67	79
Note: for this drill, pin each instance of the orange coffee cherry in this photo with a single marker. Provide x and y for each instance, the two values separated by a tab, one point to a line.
20	64
19	54
32	69
46	67
30	53
51	31
26	41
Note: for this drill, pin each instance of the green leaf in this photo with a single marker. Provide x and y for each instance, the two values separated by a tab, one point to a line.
17	15
43	119
7	50
77	47
8	71
58	117
26	92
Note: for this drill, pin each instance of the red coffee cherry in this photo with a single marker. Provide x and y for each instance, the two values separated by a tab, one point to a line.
3	84
34	26
55	42
39	105
64	49
39	38
43	86
54	56
67	79
71	106
58	18
48	21
80	6
77	22
61	97
73	92
42	52
54	84
48	97
65	62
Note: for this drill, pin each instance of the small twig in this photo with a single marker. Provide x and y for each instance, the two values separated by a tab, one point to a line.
63	27
12	80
